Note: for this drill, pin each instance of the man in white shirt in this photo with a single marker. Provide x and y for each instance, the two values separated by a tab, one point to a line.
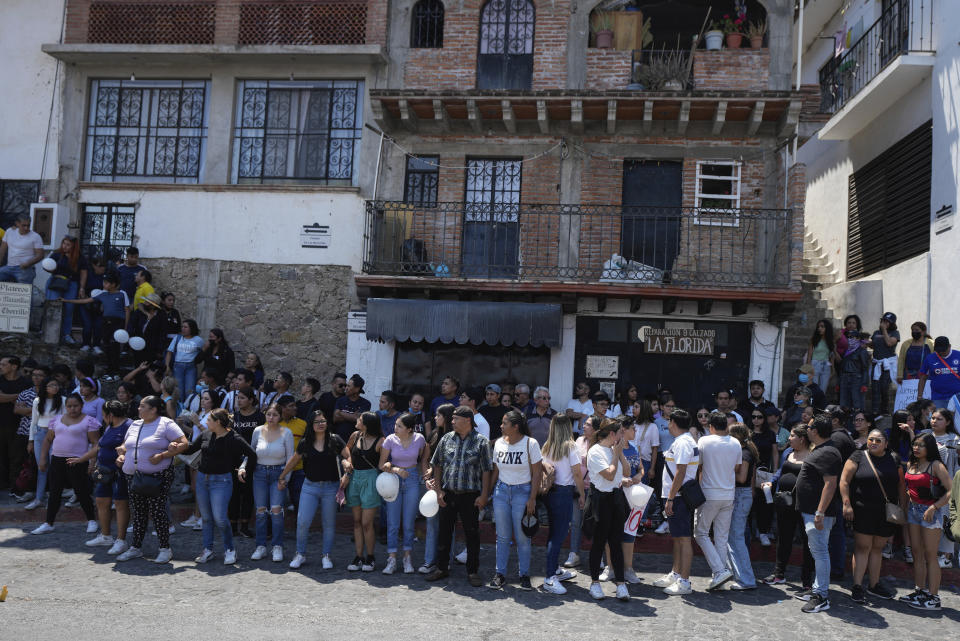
720	454
472	397
23	249
580	407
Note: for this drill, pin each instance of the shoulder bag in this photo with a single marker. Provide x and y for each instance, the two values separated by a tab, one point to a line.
892	511
143	483
690	492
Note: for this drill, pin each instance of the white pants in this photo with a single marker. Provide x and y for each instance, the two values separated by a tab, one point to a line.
717	514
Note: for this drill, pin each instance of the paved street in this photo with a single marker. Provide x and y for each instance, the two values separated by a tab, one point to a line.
58	586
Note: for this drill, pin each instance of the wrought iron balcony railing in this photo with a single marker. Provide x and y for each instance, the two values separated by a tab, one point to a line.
906	26
685	247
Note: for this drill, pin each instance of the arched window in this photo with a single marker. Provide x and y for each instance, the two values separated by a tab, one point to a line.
505	58
426	26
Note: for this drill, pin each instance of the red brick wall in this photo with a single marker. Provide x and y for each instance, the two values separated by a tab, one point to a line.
739	69
608	69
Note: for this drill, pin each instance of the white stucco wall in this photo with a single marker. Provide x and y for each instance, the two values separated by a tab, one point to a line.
27	79
373	361
766	358
230	224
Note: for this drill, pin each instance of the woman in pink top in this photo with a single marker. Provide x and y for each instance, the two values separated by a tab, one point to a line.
69	436
404	453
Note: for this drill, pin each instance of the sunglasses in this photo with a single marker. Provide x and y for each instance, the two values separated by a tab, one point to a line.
760	416
702	415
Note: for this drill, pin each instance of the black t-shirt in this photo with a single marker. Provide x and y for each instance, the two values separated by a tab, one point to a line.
823	461
419	423
764	441
788	475
865	491
749	460
494	416
8	420
325	404
842	440
244	425
321	466
305	410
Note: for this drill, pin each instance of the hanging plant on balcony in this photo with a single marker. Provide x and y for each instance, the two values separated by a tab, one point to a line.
602	24
755	32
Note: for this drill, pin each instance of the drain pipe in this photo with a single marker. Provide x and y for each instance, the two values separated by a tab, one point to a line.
796	135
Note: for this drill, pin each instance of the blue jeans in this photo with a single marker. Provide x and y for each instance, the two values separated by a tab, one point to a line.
403	508
433	528
186	375
817	540
66	323
738	554
509	505
41	476
560	503
16	274
313	495
267	495
213	498
576	521
850	394
92	326
294	485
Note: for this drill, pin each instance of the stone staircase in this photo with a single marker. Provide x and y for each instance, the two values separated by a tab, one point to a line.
818	272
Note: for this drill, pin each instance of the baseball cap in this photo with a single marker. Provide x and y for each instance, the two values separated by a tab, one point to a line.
890	317
806	368
493	387
465	412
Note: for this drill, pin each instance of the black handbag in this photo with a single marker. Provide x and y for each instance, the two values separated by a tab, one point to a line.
142	483
588	523
104	474
58	284
690	492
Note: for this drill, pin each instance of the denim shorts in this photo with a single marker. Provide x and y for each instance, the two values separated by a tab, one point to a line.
915	516
117	490
362	489
681	523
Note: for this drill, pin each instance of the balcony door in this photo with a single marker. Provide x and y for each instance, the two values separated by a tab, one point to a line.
895	23
652	197
491	227
505	58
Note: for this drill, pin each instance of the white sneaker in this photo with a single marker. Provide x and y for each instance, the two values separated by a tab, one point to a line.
564	574
198	525
72	502
326	563
553	586
34	504
98	350
719	578
130	553
277	553
26	497
666	580
623	593
407	565
664	528
606	574
573	560
85	348
100	540
680	586
259	553
462	557
298	560
190	522
119	547
391	565
764	540
230	557
205	556
596	591
630	576
944	561
92	527
43	528
367	565
129	529
426	569
163	555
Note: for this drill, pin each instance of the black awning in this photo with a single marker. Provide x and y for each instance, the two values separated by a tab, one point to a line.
463	322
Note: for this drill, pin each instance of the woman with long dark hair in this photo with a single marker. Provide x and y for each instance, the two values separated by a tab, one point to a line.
854	363
884	341
171	316
273	444
862	426
626	397
928	486
765	440
217	354
246	419
252	362
608	468
442	423
820	352
404	453
362	496
47	405
67	281
181	357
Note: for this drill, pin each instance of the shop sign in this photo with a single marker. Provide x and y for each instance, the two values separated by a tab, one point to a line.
691	342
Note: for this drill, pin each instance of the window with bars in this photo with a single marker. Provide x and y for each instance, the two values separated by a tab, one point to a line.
426	25
297	131
106	229
422	180
146	130
15	199
718	192
505	54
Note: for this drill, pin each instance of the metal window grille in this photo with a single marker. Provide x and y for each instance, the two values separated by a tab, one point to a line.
146	130
297	131
506	27
426	26
106	229
152	22
421	182
493	190
718	192
15	199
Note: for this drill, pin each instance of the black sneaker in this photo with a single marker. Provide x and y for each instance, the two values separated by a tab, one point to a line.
496	583
913	597
525	583
436	575
245	532
355	565
804	595
774	579
816	603
881	591
926	602
857	595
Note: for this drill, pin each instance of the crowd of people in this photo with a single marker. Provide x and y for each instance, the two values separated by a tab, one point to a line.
251	448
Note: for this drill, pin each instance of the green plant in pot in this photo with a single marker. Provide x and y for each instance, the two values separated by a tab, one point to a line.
733	26
602	24
755	33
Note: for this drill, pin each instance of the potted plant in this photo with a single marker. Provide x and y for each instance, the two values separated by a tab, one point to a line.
755	32
663	71
602	23
714	37
732	26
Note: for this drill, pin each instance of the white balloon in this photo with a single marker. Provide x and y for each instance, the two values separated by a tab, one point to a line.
388	485
638	495
137	343
48	264
121	336
428	504
96	292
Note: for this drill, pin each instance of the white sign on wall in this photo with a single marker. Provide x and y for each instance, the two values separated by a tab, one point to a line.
602	366
15	307
315	235
356	321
